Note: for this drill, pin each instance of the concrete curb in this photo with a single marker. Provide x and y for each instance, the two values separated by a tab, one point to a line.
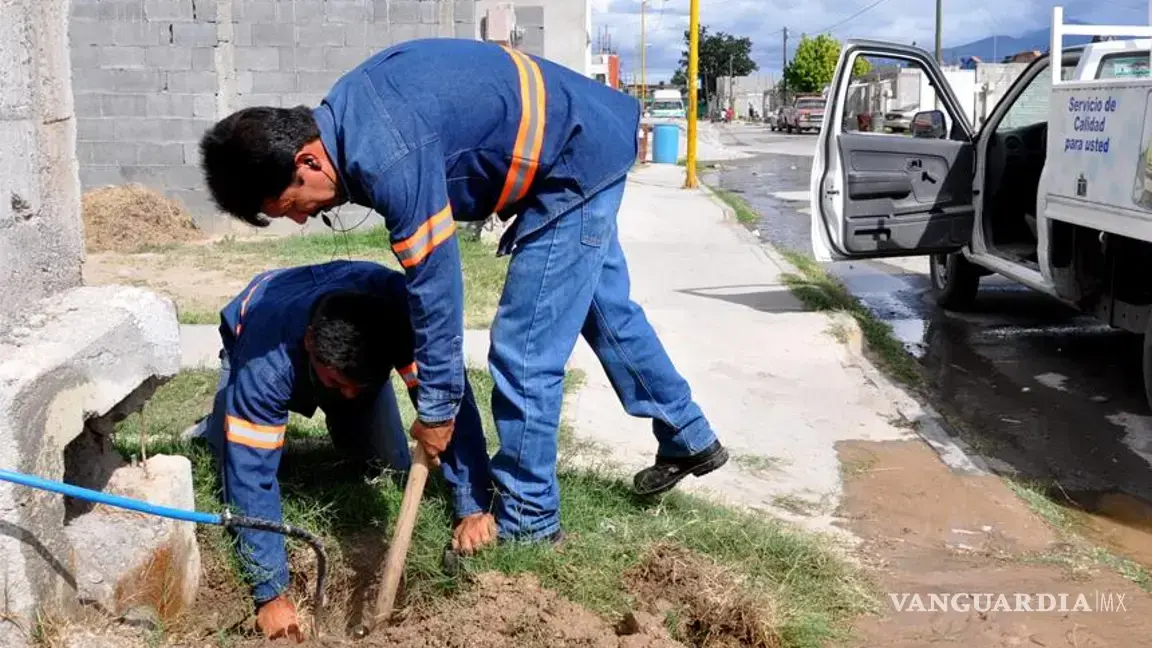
926	421
766	249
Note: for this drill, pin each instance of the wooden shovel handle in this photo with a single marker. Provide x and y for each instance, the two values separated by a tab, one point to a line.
402	536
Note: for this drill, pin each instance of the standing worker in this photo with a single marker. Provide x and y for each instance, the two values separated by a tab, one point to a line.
326	337
431	131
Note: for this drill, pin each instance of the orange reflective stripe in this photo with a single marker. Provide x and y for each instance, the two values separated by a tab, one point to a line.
409	375
246	433
247	298
530	136
432	233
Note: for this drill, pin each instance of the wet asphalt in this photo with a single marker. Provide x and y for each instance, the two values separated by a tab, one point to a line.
1039	391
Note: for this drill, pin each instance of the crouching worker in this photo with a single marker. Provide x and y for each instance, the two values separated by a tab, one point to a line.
325	337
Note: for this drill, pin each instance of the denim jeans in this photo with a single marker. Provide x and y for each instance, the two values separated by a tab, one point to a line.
570	278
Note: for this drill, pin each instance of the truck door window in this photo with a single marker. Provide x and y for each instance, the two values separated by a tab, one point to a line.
1123	66
884	95
1031	105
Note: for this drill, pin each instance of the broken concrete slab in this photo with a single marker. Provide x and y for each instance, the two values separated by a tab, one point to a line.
78	355
127	561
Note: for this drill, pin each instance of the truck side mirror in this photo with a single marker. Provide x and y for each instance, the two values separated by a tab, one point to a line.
929	124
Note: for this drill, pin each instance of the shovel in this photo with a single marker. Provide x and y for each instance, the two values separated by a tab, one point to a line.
401	538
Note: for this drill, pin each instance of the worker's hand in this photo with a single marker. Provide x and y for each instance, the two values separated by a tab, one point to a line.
473	533
277	620
433	438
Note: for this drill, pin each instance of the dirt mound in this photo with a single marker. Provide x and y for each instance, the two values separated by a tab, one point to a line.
515	611
128	217
714	606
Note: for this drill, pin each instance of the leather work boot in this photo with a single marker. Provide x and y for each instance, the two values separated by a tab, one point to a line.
668	471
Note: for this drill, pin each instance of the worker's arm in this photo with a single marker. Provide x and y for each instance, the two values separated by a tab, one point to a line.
412	195
254	428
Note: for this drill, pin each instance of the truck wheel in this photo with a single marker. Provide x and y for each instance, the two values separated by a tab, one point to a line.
955	281
1148	364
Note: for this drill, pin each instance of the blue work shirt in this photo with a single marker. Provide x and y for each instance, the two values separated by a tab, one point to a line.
432	131
262	331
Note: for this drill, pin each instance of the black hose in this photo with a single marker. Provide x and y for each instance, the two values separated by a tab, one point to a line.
231	520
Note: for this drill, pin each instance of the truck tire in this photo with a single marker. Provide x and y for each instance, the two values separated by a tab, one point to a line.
1148	364
955	281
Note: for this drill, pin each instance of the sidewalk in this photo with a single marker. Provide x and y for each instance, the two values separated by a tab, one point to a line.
779	389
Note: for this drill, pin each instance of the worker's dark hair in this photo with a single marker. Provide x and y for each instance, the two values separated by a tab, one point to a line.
249	157
347	336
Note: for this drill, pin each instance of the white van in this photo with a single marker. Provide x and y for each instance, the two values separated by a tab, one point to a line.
667	104
1054	191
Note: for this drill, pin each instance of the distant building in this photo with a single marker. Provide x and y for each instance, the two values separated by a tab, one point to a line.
1022	57
970	62
605	68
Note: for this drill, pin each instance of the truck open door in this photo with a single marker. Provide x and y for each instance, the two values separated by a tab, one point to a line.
876	194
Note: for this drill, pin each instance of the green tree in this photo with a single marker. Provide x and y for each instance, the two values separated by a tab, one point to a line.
720	54
814	64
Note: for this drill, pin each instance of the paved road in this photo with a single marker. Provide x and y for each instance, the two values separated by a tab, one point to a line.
1038	390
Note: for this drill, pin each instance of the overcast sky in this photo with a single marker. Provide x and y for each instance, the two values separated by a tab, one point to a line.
900	20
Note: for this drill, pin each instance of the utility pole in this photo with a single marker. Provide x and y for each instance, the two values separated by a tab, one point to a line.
731	86
939	25
939	51
784	66
693	76
643	60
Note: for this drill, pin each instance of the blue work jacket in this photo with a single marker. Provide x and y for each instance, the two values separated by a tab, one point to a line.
428	132
262	331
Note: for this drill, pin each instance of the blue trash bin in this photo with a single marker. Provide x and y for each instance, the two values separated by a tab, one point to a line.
666	144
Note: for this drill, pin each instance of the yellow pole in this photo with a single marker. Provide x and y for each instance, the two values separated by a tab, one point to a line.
693	73
643	60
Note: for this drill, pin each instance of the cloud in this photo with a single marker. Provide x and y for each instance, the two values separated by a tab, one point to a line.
762	21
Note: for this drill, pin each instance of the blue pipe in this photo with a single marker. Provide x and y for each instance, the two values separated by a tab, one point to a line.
111	500
226	520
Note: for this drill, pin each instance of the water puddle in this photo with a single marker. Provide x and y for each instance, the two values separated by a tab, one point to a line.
1053	381
1119	521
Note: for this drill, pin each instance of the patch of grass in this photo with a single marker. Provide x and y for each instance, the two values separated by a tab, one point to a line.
1033	494
189	316
823	292
483	272
610	529
796	505
744	212
1077	555
760	463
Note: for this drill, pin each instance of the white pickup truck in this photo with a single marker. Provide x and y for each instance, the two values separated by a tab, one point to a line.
1053	191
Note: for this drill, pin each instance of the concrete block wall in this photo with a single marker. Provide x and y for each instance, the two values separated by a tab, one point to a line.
152	75
560	30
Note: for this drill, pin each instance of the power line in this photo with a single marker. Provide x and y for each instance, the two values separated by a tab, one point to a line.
853	16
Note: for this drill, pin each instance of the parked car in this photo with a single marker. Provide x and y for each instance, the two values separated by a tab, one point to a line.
805	113
900	119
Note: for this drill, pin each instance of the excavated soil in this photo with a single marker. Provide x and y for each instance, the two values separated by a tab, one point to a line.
128	217
497	611
712	609
931	531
